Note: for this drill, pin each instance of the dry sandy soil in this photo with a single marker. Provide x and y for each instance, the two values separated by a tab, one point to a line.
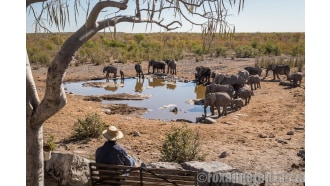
251	136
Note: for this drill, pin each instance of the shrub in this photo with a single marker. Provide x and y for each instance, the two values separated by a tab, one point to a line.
220	51
90	127
245	51
49	145
181	145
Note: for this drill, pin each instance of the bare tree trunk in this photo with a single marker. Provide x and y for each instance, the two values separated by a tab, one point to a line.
34	137
34	156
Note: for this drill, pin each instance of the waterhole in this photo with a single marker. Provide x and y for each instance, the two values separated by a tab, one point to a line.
166	95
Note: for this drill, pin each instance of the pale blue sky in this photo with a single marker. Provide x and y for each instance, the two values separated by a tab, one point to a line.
257	16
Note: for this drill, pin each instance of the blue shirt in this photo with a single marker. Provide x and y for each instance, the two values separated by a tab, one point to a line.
112	153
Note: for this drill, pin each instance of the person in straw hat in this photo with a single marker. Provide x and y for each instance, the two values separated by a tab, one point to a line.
111	152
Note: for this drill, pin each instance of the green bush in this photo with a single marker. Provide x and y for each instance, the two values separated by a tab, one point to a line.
181	145
89	127
49	145
245	51
220	51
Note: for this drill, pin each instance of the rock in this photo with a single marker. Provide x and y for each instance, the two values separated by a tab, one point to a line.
294	166
301	153
262	136
107	111
164	165
271	136
284	83
208	167
136	133
209	120
223	154
183	120
282	141
175	109
290	133
68	169
199	119
206	120
299	128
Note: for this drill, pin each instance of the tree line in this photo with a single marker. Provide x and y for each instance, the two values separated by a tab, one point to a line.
124	47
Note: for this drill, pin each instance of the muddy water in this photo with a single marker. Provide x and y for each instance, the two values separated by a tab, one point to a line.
165	96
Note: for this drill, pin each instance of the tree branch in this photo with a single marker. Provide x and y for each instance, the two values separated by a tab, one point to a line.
32	98
90	23
119	19
30	2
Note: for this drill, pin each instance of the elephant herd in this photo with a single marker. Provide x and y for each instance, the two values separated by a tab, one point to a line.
156	65
224	90
233	90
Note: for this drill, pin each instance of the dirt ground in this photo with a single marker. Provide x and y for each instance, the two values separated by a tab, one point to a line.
255	138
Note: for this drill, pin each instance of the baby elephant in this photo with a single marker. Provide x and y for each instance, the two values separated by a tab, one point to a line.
245	93
296	77
254	80
217	99
238	102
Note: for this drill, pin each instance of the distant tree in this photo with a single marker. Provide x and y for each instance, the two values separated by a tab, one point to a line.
212	14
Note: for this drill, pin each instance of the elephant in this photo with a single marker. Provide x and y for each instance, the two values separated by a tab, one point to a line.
296	77
238	102
254	70
151	64
122	75
156	65
245	93
217	78
234	80
202	74
139	70
220	88
171	64
244	74
278	69
217	99
254	80
110	69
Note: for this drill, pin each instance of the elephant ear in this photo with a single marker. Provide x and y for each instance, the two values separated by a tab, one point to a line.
221	78
212	98
197	69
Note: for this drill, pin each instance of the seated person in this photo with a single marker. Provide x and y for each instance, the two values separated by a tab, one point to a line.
111	152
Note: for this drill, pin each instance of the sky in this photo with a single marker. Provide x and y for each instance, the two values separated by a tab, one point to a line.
257	16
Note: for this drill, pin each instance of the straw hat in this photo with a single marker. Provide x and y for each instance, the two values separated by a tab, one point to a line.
112	133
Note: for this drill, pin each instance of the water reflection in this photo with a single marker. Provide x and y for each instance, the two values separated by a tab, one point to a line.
112	86
171	85
200	91
169	100
139	84
156	82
